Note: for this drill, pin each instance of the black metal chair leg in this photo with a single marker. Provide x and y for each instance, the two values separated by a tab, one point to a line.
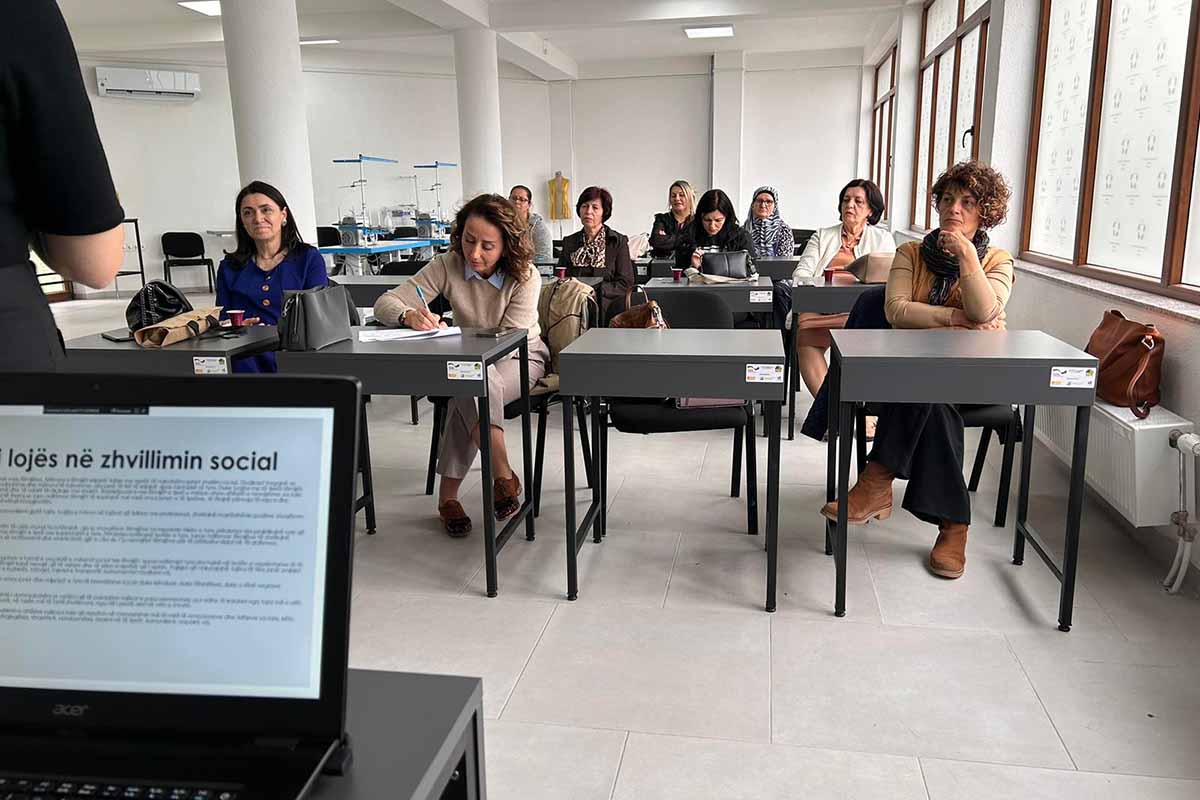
584	443
416	412
985	439
543	415
364	466
1010	451
860	437
751	475
735	485
435	436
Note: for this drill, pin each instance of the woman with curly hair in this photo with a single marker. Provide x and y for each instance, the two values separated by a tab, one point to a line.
951	279
489	281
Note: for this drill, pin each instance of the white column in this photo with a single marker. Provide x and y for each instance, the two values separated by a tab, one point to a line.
266	86
477	76
728	90
904	142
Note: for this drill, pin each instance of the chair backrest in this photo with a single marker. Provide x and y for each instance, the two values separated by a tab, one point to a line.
694	309
328	236
182	244
408	232
565	310
556	247
801	236
402	267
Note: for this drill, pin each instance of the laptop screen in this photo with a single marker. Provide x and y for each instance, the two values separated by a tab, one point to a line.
164	549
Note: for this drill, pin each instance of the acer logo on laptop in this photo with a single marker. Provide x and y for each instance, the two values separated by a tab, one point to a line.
66	710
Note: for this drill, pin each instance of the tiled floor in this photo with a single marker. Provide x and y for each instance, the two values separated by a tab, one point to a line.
667	680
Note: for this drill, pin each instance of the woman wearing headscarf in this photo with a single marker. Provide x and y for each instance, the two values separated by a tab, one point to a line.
771	236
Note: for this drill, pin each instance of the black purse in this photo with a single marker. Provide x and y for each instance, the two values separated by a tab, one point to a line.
153	303
734	264
316	318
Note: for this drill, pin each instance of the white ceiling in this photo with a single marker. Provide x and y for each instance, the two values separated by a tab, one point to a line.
581	30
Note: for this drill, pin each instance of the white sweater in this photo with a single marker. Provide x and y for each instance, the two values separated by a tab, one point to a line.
824	245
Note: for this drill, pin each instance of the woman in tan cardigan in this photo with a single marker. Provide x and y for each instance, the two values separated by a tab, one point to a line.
951	279
489	280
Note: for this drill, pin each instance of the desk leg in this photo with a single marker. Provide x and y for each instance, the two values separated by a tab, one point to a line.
568	409
526	439
1023	491
368	482
489	515
597	481
773	426
831	448
1083	416
789	377
602	460
845	423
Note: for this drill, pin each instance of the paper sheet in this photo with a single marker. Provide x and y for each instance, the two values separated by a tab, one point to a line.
400	334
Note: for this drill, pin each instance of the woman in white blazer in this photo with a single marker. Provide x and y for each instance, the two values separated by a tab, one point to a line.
861	207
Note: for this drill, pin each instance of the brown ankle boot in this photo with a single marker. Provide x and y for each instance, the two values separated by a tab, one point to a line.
949	555
506	496
871	497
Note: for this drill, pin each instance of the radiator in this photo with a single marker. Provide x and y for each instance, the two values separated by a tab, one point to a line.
1130	462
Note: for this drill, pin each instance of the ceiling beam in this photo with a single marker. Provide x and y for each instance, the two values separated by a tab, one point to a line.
547	15
536	55
448	14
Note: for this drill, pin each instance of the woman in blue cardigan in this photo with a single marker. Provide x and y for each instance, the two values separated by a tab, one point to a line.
270	257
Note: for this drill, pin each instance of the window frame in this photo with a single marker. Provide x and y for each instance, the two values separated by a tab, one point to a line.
980	18
1170	280
882	158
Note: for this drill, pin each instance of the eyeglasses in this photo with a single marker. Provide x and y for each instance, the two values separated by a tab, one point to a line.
764	202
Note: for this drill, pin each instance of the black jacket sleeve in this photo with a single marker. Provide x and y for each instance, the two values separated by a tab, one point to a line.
741	240
621	279
683	250
664	235
570	244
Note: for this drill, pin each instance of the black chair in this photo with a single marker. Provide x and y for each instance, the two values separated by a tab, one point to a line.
1004	421
328	236
556	247
696	310
801	236
185	249
410	267
408	232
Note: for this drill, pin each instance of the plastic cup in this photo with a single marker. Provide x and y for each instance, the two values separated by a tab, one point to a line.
560	273
676	274
829	275
236	317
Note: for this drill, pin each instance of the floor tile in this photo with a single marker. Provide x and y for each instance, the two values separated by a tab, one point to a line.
665	767
695	673
951	780
906	691
486	638
550	762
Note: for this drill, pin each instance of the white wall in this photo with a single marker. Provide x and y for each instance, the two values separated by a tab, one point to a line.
635	136
801	136
525	120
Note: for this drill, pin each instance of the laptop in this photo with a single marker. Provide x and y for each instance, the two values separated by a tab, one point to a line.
174	584
777	269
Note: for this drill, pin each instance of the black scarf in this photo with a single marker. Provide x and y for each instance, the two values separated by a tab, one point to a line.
945	266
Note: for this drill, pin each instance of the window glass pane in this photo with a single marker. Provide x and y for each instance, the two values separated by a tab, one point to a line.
1063	126
941	19
1191	256
884	74
1138	127
970	7
968	67
941	123
875	143
885	125
921	204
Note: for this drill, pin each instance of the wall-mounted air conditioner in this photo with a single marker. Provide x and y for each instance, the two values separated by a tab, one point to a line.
147	84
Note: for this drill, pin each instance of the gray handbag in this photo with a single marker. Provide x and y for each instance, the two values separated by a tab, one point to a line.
316	318
733	264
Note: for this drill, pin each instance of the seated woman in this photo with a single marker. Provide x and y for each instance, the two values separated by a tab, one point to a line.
714	227
770	235
597	251
488	278
664	232
861	207
543	245
270	257
951	279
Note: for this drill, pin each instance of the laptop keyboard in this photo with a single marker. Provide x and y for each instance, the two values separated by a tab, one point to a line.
35	787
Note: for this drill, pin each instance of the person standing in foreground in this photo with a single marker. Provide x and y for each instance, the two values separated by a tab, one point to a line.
56	191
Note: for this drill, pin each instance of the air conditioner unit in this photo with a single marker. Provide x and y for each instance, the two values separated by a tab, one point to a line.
150	84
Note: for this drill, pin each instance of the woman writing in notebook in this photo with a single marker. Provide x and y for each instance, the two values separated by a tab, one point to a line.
951	279
489	281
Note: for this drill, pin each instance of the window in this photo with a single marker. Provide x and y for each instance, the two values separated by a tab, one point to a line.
953	52
881	126
1113	145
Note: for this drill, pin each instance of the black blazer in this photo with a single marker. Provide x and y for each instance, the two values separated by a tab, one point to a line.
617	270
729	240
664	234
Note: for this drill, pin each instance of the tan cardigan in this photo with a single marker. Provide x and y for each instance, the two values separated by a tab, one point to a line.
476	303
981	294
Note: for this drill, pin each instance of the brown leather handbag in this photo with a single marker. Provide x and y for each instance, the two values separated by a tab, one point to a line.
1131	357
646	315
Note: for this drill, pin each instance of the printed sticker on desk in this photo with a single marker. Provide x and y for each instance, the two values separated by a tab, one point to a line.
464	370
210	365
764	373
642	269
1072	377
761	296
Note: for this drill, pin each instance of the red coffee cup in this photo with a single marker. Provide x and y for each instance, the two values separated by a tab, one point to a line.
676	274
560	273
236	317
829	275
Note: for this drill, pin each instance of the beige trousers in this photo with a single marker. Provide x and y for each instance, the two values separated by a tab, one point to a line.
458	452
